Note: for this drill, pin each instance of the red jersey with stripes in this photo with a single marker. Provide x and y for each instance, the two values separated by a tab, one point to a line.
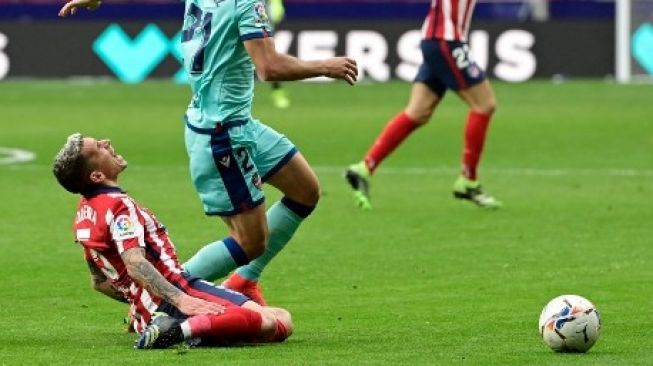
448	20
108	223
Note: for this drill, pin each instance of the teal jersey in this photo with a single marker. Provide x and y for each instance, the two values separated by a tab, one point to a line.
221	71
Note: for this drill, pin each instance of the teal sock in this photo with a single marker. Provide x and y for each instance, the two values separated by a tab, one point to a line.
282	224
216	260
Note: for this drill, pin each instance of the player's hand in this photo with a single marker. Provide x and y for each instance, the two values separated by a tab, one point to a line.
343	68
70	8
194	306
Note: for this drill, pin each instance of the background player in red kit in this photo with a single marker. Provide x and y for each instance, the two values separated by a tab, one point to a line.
447	65
132	259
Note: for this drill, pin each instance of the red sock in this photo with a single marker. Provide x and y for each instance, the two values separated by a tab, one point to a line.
234	325
392	135
475	131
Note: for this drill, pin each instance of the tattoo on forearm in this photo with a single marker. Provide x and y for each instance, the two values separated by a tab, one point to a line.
155	282
102	284
96	273
112	292
145	274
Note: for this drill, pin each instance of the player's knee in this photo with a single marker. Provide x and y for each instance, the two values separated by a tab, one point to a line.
420	115
285	318
280	321
312	195
487	107
309	194
268	324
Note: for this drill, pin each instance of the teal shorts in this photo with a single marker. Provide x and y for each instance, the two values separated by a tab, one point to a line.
229	164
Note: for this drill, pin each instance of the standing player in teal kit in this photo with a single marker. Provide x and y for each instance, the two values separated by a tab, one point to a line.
231	153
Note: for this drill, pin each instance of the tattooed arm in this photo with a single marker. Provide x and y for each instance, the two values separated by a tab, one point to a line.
102	284
145	274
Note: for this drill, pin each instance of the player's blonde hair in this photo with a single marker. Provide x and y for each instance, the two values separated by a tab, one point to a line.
70	166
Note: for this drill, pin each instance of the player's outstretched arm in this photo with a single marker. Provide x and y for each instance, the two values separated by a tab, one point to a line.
274	66
144	273
70	8
102	284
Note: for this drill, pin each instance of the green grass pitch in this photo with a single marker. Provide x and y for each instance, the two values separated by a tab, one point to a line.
420	280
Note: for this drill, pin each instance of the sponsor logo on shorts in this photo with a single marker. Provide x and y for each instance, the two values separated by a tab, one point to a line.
257	181
473	71
225	161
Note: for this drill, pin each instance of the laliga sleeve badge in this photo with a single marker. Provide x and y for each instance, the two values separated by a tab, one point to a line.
261	15
123	228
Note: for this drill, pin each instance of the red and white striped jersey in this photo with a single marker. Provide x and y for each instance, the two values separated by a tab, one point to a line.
448	20
109	222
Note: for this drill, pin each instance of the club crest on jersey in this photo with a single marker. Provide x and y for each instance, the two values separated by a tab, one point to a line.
124	227
261	14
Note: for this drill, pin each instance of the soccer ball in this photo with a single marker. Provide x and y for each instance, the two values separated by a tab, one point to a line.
570	323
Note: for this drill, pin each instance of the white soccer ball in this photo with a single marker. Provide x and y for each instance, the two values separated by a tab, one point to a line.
570	323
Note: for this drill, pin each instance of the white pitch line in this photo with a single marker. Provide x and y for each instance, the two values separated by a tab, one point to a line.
414	171
10	155
502	171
